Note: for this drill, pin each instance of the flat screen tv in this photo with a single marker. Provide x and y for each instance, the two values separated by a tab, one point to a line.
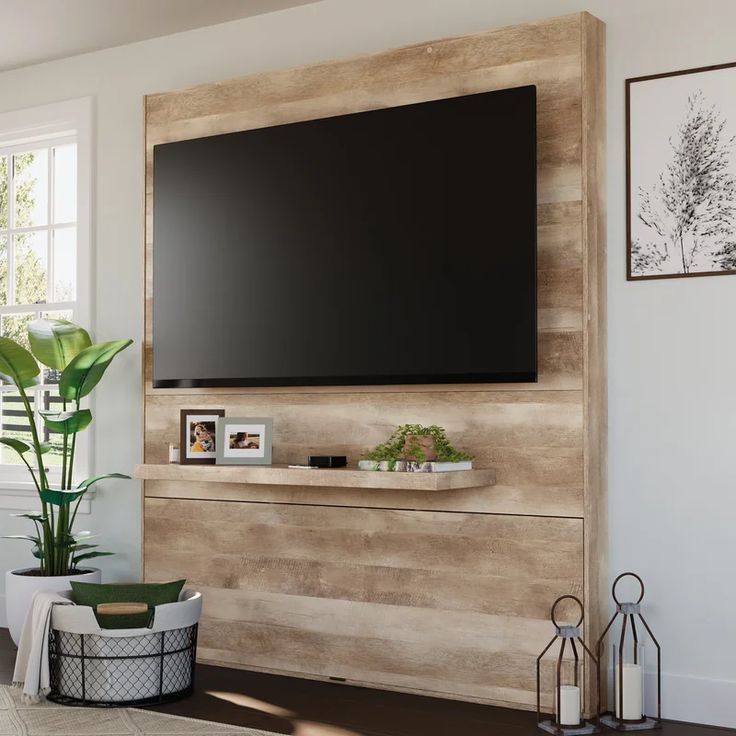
383	247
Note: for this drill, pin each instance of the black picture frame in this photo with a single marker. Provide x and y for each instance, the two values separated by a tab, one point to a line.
185	420
630	275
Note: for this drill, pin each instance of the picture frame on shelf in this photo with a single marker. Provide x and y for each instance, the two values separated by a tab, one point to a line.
244	441
198	429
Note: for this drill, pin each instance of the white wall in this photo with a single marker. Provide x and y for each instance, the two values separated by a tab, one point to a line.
671	343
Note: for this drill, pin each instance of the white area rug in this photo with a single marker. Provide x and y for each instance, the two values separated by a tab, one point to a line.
49	719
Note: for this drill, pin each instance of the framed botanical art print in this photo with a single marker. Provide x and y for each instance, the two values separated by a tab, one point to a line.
244	441
681	173
199	436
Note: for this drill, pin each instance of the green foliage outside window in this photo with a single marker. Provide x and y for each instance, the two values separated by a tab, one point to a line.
31	287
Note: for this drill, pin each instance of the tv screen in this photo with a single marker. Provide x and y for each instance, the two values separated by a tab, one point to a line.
391	246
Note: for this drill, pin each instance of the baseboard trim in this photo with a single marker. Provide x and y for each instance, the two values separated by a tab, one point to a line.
693	699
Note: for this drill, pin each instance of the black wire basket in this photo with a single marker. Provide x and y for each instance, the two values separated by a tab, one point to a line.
94	670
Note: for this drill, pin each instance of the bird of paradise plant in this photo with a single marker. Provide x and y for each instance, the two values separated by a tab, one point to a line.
65	347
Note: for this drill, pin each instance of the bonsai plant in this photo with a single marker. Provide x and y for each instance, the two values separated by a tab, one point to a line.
413	443
65	347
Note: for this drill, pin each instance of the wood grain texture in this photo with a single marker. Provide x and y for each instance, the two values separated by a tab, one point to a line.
404	597
595	376
532	439
444	592
282	475
562	501
120	609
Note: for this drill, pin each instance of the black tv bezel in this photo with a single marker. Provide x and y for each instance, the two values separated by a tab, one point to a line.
387	380
378	380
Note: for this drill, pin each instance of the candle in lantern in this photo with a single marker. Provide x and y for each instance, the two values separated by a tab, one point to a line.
632	692
569	714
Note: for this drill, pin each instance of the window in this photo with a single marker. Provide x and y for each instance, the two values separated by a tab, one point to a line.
44	232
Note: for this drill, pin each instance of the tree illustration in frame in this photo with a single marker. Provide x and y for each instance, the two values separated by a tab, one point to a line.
681	174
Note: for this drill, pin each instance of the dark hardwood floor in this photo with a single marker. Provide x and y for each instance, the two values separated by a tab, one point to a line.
287	705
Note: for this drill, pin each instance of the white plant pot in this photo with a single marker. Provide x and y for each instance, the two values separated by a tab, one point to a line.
19	590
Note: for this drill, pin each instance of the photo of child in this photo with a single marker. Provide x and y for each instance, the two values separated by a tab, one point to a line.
245	441
199	435
202	436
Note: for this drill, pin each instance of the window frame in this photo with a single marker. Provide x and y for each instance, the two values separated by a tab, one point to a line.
46	125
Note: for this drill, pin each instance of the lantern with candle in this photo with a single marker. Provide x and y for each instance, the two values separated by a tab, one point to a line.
567	693
627	711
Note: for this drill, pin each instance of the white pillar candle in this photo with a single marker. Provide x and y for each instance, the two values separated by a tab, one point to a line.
632	692
569	714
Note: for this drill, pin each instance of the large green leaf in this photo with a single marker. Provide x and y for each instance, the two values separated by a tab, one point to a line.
32	517
80	547
55	342
36	550
85	370
17	365
89	556
23	447
18	445
24	537
61	497
85	484
67	421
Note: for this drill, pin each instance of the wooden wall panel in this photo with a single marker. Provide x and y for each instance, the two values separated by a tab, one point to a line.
595	384
401	596
533	439
410	590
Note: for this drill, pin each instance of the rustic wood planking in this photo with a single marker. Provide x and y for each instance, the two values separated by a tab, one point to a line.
531	439
282	475
482	421
562	501
595	386
332	609
394	580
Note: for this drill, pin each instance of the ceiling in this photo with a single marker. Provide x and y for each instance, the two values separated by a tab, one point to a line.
35	31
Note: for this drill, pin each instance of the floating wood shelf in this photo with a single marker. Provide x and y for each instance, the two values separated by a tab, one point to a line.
281	475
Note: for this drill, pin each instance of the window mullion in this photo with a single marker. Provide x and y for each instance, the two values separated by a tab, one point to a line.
14	140
50	237
40	228
37	145
42	393
11	223
47	307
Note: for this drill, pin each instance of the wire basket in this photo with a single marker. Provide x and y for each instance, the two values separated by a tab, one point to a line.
95	670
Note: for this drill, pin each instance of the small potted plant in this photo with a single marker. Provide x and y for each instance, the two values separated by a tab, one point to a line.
382	457
416	448
59	550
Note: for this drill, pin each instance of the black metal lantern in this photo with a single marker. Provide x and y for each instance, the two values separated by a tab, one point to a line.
568	711
627	712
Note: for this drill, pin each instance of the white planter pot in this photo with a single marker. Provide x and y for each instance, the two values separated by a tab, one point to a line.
19	590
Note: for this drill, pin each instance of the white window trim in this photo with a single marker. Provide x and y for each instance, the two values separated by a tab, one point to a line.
39	124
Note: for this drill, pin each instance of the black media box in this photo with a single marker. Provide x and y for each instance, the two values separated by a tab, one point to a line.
328	461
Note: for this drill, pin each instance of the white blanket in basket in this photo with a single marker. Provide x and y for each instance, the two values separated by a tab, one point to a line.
32	661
